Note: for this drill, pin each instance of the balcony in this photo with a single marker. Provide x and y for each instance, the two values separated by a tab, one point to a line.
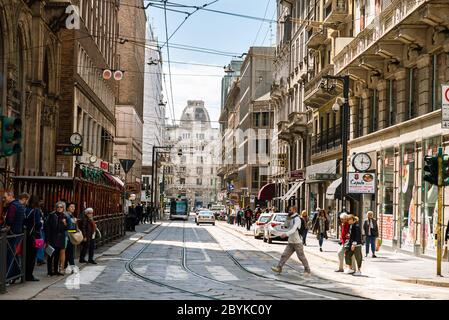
326	140
317	38
336	11
297	122
314	95
283	132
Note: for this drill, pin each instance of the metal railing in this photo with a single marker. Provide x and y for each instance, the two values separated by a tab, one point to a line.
12	259
326	140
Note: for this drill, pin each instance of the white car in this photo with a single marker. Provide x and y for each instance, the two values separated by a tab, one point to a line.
205	217
260	224
273	226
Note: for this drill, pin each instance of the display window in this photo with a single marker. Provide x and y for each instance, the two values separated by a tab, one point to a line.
386	191
407	197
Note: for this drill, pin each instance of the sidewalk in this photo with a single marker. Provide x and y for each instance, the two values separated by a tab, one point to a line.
389	264
28	290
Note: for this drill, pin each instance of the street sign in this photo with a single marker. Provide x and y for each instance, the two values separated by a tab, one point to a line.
69	151
127	164
445	107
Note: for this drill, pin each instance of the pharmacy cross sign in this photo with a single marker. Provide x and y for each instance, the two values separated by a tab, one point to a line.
445	107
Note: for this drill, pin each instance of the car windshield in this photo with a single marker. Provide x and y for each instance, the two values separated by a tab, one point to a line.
206	213
280	217
264	218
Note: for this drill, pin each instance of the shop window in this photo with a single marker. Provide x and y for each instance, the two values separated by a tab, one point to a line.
407	198
386	190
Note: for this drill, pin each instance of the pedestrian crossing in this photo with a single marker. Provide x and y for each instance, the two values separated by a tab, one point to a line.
220	273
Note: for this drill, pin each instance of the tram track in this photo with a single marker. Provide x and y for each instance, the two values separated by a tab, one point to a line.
238	264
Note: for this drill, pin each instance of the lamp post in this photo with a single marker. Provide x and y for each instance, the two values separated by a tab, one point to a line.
344	135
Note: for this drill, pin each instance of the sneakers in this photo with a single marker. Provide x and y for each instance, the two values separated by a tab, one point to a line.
68	270
76	269
339	270
349	271
276	269
357	273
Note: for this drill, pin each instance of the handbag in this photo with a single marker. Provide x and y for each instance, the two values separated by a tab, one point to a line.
76	237
39	243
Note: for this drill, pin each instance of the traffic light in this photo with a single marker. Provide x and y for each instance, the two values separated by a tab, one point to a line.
431	169
147	193
11	136
445	170
179	152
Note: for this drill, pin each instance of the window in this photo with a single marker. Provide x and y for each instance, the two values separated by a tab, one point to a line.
265	118
211	170
199	181
413	93
199	170
211	182
200	136
256	119
374	104
182	181
255	178
438	77
359	124
391	103
182	169
199	159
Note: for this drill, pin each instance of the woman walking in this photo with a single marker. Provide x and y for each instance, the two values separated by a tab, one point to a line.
55	233
354	245
305	222
88	227
70	250
33	222
320	227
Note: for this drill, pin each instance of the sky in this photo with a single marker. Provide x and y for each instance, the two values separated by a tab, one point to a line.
214	31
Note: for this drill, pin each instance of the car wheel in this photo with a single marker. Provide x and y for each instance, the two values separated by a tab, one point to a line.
213	224
197	224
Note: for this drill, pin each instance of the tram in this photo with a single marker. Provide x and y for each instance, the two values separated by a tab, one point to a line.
179	209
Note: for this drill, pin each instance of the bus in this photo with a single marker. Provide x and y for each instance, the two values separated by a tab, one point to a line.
179	209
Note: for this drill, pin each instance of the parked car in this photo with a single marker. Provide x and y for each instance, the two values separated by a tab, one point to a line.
205	217
273	226
260	223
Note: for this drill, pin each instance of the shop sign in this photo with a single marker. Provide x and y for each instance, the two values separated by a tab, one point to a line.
297	174
445	107
104	165
360	182
323	176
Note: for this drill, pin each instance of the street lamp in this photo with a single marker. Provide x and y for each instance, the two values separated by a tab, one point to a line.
344	132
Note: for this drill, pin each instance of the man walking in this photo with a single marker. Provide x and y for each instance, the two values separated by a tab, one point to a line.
248	217
293	223
139	213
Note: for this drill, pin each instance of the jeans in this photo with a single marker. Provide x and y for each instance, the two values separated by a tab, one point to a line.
299	249
40	255
69	252
304	236
248	223
321	239
370	240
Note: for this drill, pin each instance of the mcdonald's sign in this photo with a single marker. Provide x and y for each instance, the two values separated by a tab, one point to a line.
69	150
77	151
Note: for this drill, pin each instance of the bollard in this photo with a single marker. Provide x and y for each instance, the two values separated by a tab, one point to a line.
3	248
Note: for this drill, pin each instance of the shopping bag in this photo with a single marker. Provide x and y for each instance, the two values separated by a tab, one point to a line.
378	244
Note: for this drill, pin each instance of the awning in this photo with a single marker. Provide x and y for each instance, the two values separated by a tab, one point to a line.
114	179
266	192
290	193
334	188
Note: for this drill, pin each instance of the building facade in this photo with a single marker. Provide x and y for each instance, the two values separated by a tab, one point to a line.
87	101
129	108
153	111
194	157
246	127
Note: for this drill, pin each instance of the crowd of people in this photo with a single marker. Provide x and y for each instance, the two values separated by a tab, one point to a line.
140	214
52	234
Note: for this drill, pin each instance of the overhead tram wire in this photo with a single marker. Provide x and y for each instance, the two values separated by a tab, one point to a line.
168	61
261	24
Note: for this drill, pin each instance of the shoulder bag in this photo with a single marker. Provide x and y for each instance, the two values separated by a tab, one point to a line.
75	236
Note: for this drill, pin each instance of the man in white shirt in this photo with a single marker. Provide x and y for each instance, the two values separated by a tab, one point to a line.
293	223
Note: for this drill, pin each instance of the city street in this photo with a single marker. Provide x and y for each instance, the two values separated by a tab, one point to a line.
182	261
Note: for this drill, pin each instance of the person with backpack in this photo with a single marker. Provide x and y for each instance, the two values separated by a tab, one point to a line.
293	223
33	222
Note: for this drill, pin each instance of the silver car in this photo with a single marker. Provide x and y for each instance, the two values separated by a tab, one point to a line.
273	226
205	217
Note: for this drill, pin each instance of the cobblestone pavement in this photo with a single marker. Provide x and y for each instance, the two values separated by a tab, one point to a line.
181	261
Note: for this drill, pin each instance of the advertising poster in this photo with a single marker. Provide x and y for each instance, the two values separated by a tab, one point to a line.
360	182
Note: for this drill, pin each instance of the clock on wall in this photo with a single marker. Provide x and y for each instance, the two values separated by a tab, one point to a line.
361	162
76	139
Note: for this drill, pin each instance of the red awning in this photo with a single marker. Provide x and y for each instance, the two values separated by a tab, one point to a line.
266	192
114	180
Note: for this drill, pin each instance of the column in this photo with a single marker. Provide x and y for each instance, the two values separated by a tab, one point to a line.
383	104
98	149
401	95
352	117
366	111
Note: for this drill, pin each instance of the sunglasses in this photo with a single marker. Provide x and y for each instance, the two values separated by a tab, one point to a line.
60	207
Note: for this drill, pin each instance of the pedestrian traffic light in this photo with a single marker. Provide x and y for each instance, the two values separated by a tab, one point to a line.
431	169
445	170
179	152
11	136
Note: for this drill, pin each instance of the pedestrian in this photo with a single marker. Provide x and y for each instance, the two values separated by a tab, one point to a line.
354	246
248	217
371	232
344	240
132	217
239	217
139	213
33	222
145	214
293	223
305	223
320	227
258	213
55	236
70	265
40	254
315	215
13	225
89	228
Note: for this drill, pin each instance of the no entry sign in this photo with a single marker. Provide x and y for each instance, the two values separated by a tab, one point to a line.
445	107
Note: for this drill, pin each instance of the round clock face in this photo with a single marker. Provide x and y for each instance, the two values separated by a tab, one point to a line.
93	159
76	139
361	161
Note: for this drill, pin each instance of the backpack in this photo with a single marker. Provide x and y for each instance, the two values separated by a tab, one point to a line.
302	228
